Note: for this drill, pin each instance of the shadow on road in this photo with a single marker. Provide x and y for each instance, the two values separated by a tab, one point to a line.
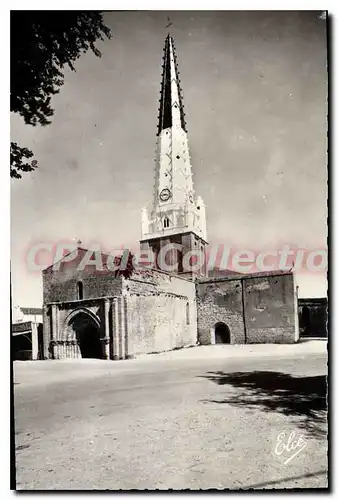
278	392
278	482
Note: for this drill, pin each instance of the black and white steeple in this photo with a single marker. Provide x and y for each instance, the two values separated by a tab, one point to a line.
175	209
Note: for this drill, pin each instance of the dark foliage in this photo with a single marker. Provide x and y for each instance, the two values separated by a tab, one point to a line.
274	391
42	44
125	264
18	160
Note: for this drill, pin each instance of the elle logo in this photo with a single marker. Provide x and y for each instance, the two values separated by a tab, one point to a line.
292	445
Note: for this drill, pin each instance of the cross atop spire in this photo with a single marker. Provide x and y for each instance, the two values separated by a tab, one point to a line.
171	102
169	23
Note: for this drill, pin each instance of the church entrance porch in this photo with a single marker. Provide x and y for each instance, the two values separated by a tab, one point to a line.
87	328
87	334
79	330
222	333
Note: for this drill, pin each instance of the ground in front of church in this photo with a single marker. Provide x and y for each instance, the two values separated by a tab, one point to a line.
200	418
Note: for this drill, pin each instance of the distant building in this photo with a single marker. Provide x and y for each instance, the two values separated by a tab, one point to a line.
23	314
27	336
313	317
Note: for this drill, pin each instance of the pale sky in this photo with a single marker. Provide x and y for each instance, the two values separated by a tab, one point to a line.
255	90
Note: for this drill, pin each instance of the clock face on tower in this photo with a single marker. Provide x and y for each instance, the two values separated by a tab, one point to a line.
165	194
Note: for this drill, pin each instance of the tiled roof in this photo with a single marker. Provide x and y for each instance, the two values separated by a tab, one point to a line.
31	310
245	276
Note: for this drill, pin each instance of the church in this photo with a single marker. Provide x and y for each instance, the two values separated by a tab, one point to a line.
118	314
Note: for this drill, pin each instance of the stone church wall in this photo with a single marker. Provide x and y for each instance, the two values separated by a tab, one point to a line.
168	295
150	311
257	309
271	314
61	286
219	301
157	322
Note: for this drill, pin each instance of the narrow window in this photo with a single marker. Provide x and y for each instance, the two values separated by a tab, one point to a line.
79	291
166	222
180	261
187	312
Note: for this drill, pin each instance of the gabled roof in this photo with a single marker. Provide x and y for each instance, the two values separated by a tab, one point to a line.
31	310
262	274
218	273
312	300
80	253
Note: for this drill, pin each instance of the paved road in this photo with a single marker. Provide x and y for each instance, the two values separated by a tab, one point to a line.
171	423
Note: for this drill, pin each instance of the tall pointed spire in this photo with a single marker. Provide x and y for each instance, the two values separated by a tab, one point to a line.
177	214
171	103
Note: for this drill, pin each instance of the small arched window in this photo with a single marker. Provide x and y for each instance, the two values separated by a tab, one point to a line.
187	313
166	222
79	290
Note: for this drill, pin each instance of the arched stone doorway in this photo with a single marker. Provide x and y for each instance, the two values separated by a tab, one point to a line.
222	333
87	332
